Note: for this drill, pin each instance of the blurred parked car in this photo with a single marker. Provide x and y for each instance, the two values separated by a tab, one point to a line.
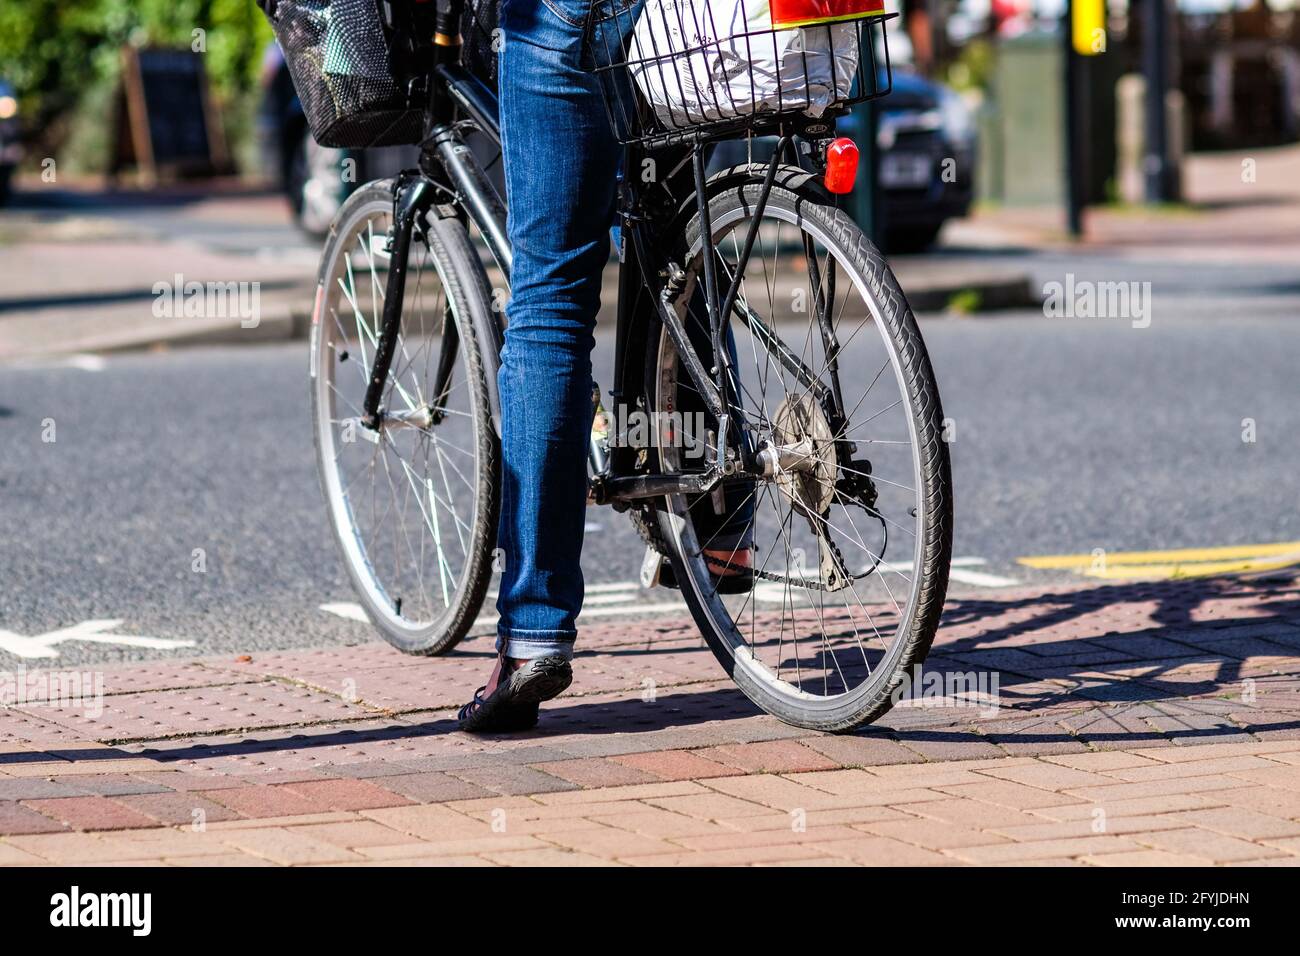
926	172
927	141
11	150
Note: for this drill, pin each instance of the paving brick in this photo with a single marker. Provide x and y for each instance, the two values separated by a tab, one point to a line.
117	784
1009	794
36	789
677	765
91	813
657	822
233	858
866	751
177	809
1090	825
775	792
1238	822
595	772
1191	768
287	845
952	747
13	856
713	806
273	801
771	756
552	856
931	775
1215	847
610	843
1144	858
973	813
1153	788
639	791
162	843
1102	761
514	780
434	787
1271	800
882	851
1047	776
348	794
455	848
932	834
1042	849
1135	806
353	834
733	857
1284	778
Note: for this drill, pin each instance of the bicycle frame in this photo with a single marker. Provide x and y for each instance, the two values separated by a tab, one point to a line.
449	167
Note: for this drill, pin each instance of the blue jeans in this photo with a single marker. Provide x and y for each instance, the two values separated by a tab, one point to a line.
561	170
561	166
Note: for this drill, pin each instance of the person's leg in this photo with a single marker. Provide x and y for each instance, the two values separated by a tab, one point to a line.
560	167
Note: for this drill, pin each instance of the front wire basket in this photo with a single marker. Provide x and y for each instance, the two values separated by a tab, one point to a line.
674	71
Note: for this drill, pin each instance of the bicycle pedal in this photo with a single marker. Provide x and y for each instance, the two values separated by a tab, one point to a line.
655	570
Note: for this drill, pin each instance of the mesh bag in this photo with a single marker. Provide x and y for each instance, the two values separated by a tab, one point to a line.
479	39
355	66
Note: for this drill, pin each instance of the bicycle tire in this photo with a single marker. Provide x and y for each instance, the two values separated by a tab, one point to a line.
468	295
729	196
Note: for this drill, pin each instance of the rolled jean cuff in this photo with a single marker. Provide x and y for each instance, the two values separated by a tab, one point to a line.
523	645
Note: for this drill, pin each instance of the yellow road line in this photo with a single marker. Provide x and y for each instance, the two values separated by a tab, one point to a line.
1177	562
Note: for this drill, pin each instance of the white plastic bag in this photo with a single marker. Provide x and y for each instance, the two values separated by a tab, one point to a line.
726	73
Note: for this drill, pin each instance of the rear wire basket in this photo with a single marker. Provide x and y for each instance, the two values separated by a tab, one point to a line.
360	67
703	77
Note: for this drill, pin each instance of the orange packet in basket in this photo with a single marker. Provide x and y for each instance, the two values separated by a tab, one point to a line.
803	13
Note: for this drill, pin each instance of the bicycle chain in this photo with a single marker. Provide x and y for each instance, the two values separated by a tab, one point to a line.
649	532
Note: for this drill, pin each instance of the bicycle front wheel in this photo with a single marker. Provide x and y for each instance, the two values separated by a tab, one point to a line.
842	550
413	504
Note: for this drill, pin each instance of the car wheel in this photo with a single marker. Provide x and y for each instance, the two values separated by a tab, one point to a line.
905	239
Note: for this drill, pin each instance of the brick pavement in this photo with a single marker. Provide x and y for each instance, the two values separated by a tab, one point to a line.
1150	723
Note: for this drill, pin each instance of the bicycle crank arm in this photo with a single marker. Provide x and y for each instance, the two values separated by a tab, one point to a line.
635	487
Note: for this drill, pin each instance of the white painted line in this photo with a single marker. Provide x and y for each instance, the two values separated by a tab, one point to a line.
981	580
615	586
83	361
347	609
620	597
42	645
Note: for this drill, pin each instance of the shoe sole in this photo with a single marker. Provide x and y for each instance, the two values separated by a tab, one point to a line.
515	707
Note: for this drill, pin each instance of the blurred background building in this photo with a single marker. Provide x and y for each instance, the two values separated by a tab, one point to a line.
993	83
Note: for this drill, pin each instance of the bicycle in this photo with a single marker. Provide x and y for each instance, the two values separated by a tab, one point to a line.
757	330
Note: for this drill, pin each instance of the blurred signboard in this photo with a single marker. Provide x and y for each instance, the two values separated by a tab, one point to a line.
166	122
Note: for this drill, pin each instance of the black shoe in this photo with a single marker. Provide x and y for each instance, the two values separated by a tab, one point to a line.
513	705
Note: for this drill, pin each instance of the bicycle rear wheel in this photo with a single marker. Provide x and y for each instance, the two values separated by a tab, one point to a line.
849	540
414	504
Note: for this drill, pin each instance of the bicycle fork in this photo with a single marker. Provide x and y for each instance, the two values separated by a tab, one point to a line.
411	200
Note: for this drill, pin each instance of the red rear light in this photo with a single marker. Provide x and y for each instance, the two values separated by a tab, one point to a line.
802	13
841	165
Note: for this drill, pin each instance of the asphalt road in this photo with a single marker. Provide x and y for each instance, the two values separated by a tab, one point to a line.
1070	435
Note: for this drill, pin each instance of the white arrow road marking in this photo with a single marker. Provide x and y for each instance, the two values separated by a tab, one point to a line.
42	645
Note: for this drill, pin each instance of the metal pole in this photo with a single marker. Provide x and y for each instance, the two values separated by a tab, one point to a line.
1155	65
870	214
1075	168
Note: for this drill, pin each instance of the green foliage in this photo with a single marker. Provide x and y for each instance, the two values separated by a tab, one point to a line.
54	51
